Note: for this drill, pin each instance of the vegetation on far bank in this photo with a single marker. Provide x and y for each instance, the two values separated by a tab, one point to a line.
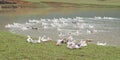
60	3
85	3
15	47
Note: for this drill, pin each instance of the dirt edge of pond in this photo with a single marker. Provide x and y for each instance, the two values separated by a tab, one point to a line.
14	4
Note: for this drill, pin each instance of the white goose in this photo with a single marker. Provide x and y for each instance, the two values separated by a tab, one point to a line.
102	44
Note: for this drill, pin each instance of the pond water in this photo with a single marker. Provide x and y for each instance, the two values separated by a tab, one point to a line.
98	24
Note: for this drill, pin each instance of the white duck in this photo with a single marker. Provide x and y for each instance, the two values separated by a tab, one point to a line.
44	39
37	41
34	21
70	37
59	42
77	46
71	45
8	26
83	43
89	31
49	39
29	39
24	28
102	44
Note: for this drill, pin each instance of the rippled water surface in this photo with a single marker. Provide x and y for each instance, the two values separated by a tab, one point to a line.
99	24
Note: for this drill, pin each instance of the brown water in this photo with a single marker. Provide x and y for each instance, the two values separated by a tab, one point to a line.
110	28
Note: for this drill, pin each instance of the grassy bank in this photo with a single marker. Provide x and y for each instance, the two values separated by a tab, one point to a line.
101	3
63	3
15	47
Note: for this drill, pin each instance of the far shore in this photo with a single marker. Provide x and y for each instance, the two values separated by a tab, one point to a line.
44	4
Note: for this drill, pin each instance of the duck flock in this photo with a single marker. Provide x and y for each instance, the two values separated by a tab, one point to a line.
64	26
75	26
70	42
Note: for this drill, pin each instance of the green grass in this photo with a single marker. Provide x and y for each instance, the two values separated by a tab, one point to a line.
67	3
88	2
15	47
33	0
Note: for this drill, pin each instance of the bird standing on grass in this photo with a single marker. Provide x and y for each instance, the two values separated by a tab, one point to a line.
29	39
44	38
37	41
59	42
83	43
